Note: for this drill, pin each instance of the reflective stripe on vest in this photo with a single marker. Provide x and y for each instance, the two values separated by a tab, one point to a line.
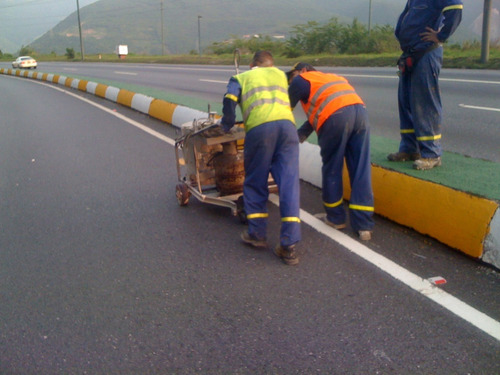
328	94
264	96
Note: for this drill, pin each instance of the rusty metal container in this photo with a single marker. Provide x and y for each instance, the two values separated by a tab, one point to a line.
229	169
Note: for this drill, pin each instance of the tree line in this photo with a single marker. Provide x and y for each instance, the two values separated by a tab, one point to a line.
314	38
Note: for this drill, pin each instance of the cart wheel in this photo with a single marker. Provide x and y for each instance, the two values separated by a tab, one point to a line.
240	209
182	193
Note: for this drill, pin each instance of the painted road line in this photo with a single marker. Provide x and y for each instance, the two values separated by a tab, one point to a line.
441	79
470	81
125	73
481	108
151	67
138	125
423	286
213	81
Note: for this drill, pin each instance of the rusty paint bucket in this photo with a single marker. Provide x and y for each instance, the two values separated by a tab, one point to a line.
229	170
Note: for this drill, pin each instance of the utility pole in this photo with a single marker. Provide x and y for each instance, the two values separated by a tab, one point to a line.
369	16
199	37
485	41
80	28
162	38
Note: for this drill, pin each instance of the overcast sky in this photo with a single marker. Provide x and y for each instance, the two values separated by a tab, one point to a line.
23	20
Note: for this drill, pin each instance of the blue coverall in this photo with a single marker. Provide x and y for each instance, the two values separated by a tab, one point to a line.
346	134
272	147
419	99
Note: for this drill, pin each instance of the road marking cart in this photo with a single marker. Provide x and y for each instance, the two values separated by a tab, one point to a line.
210	165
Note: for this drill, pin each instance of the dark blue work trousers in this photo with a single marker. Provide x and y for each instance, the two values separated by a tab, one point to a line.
420	109
346	134
272	147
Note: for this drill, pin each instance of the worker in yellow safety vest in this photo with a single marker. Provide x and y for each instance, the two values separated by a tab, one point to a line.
271	146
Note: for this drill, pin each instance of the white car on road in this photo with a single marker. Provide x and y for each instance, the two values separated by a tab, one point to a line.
22	62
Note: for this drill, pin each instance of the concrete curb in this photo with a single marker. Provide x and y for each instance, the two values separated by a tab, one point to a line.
464	221
458	219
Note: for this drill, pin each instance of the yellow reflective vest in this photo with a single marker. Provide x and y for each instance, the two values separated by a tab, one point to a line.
264	96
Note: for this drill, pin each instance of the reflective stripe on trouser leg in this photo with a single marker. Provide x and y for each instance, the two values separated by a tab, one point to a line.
285	171
359	167
332	139
266	150
408	141
257	224
335	211
255	186
425	101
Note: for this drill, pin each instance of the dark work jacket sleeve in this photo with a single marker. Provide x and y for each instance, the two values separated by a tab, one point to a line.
452	19
299	91
230	103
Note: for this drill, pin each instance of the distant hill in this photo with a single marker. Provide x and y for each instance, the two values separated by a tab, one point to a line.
23	21
137	23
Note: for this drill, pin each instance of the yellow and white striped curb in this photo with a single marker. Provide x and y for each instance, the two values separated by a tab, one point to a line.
174	114
458	219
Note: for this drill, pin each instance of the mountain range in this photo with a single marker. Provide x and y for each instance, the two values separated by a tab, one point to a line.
161	26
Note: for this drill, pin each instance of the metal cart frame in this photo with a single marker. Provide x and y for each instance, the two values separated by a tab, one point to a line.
195	174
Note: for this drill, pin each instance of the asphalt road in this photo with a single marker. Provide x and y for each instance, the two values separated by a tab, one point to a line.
471	118
103	272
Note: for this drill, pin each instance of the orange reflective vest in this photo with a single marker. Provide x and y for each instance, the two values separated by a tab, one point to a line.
329	93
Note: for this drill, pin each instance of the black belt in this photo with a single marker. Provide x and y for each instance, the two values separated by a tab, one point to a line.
409	59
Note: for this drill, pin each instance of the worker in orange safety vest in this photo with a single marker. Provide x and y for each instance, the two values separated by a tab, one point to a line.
339	117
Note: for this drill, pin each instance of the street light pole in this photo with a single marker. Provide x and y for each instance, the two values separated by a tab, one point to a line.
199	37
80	28
162	37
485	41
369	16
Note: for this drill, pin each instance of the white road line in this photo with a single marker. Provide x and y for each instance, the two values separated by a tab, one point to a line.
213	80
144	128
441	79
423	286
481	108
151	66
470	81
415	282
394	77
369	76
125	73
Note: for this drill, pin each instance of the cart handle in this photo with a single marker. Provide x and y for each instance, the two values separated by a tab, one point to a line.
183	138
237	58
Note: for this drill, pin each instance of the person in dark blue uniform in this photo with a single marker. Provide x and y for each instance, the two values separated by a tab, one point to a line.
271	146
421	29
338	115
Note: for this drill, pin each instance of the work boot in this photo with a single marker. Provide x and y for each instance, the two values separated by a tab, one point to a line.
403	156
251	240
427	163
333	225
287	254
365	235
